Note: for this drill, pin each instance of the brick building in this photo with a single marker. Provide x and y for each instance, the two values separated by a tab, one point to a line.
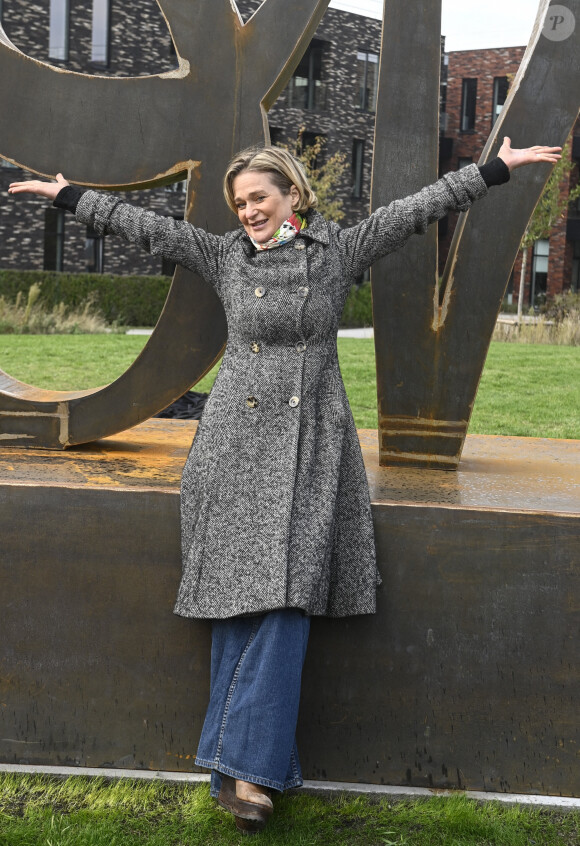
332	93
477	86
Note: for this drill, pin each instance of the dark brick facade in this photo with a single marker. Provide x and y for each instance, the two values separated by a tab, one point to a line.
140	43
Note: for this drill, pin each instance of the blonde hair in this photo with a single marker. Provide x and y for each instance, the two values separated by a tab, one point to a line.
284	169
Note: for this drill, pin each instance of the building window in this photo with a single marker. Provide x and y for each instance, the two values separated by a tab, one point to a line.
58	30
443	92
306	89
468	105
101	39
576	267
358	152
310	148
368	80
313	144
177	187
463	161
54	239
95	251
500	92
276	136
540	260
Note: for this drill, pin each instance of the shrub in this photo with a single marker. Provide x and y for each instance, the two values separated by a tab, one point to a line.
31	317
563	306
358	309
559	324
131	300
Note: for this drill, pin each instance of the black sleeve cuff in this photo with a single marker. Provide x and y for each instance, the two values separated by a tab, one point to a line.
68	198
495	172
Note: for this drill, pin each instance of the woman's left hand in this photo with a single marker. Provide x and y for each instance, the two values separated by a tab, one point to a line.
517	158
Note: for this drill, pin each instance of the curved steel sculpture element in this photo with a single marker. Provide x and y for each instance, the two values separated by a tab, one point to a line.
431	344
141	132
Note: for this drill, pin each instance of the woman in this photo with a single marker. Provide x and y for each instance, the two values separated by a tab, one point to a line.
276	517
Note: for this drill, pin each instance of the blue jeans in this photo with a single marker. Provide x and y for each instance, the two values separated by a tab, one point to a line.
250	724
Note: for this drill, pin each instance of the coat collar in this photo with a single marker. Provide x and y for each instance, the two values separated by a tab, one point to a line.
317	230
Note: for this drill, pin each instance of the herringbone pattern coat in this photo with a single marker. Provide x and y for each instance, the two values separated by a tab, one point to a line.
274	503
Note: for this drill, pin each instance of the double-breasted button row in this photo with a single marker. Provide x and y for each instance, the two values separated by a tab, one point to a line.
261	291
300	347
252	402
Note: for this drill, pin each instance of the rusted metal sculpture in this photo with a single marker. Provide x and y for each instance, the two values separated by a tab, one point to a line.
431	348
138	133
431	344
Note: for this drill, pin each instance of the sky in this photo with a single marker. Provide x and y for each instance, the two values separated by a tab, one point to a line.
469	24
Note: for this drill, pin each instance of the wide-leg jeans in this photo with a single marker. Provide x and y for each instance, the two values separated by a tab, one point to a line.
250	725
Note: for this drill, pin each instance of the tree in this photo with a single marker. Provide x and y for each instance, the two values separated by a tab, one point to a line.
551	206
324	178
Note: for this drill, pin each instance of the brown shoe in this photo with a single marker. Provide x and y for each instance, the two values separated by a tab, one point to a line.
251	817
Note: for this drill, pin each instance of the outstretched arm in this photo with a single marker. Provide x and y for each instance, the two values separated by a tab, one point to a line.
176	240
388	228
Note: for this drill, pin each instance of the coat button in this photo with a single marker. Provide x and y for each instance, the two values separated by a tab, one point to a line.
293	402
302	291
259	292
300	346
255	347
299	245
251	402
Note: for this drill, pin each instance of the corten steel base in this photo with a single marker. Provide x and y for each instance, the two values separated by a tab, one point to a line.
466	677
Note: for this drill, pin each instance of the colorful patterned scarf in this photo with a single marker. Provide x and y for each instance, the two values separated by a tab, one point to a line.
287	232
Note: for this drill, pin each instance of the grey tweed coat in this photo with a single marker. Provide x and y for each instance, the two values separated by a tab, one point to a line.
275	507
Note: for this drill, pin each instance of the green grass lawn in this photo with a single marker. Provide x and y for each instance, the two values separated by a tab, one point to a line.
527	390
43	811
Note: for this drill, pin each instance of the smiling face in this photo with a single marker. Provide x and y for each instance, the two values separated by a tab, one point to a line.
262	207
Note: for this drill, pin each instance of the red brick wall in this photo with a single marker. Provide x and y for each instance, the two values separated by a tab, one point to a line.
485	65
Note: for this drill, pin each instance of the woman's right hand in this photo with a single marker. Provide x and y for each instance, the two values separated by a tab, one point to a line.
37	186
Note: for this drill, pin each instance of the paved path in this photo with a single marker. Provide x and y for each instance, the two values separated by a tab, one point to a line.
342	333
368	331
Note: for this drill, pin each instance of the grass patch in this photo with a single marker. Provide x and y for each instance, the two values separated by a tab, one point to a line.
529	391
526	390
94	812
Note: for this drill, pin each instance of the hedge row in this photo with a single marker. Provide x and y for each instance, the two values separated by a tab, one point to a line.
134	300
358	309
128	300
